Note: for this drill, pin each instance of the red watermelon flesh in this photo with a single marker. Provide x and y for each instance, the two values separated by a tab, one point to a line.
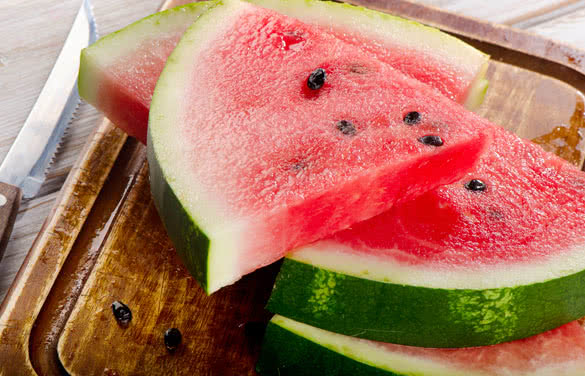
119	73
558	351
532	212
533	207
550	352
248	148
124	95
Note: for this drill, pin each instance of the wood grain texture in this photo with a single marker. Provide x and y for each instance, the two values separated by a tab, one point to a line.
504	12
48	258
43	263
569	28
221	333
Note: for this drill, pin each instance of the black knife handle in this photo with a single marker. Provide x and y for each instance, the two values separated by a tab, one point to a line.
9	204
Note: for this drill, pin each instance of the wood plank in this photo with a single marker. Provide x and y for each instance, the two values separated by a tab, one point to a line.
499	11
221	333
42	264
29	220
568	28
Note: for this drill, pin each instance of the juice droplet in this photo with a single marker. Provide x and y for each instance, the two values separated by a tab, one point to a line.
291	41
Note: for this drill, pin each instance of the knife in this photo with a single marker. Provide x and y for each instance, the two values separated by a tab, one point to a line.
23	170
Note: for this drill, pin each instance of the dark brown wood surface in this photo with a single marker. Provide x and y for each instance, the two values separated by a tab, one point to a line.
104	242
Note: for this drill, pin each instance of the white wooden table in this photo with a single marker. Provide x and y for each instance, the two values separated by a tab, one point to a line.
33	31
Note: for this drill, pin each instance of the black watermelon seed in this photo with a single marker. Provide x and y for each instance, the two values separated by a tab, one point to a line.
475	185
316	79
412	118
122	313
173	338
346	127
431	140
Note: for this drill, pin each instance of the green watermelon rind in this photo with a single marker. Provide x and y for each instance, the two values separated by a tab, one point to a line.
181	228
382	26
285	352
291	348
424	316
118	44
296	349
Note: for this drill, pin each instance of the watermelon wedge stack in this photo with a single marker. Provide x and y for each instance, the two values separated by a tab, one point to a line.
494	257
275	126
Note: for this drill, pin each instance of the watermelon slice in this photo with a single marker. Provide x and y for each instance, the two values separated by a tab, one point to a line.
255	147
497	256
119	72
296	349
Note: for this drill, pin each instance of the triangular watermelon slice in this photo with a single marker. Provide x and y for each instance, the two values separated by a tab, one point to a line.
295	349
255	147
119	72
497	256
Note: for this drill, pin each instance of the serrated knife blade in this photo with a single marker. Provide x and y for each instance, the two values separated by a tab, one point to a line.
23	169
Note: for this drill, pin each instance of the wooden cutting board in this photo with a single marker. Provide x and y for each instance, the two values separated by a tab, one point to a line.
104	241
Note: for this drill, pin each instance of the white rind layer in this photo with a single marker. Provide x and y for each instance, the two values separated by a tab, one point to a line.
343	259
170	91
376	355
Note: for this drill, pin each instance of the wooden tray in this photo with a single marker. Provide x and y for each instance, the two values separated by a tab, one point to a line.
104	241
